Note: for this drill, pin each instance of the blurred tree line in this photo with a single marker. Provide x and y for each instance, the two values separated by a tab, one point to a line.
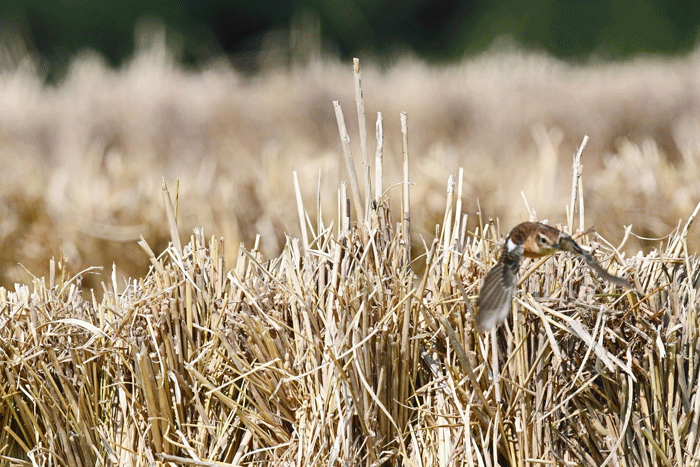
436	30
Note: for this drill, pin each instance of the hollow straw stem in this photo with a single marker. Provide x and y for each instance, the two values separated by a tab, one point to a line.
362	121
349	164
406	192
577	171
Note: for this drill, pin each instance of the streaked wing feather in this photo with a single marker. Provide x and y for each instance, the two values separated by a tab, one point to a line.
572	246
593	264
496	294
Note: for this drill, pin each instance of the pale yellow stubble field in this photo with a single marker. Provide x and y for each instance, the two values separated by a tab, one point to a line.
82	161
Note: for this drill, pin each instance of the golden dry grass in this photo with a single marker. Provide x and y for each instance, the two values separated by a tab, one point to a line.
82	160
335	352
318	344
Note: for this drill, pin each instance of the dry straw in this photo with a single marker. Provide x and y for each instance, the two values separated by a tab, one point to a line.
336	353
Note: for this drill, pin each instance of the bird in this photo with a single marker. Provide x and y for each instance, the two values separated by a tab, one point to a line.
529	240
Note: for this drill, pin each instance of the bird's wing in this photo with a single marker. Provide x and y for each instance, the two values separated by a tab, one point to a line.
568	244
496	294
593	264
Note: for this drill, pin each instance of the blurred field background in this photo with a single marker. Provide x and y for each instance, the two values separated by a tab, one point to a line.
87	137
306	351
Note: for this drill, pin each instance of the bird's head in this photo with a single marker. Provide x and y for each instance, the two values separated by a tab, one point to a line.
533	240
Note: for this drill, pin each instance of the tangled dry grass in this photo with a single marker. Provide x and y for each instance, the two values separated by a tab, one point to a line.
335	353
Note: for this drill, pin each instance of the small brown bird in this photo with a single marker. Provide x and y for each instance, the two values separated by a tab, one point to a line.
531	240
